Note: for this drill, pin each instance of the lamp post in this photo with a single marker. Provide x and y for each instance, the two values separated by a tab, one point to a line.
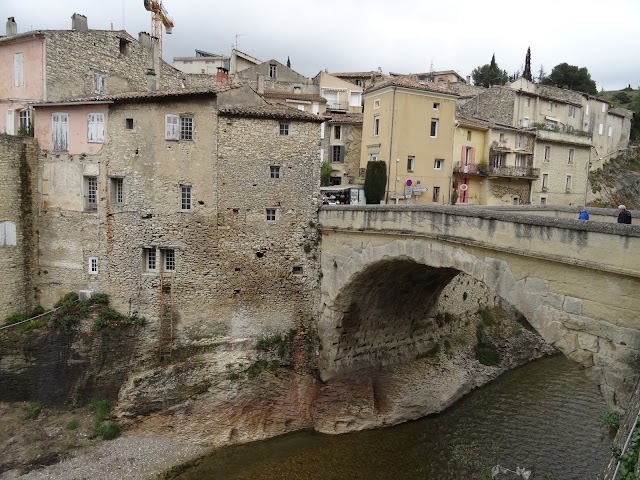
589	164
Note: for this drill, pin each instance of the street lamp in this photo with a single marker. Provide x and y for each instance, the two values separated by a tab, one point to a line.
590	163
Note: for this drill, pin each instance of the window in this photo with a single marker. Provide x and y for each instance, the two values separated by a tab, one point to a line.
185	198
178	127
8	234
90	193
604	107
586	110
497	159
322	130
521	162
570	159
547	154
25	120
297	270
527	101
272	70
297	89
128	123
337	131
274	171
438	163
543	200
525	122
434	128
337	153
436	105
502	140
150	260
572	111
284	129
376	104
271	214
93	266
610	131
168	259
436	194
18	69
515	200
335	181
99	83
124	46
355	99
550	106
519	141
411	163
373	157
468	135
95	127
545	181
117	190
60	132
568	183
601	129
376	125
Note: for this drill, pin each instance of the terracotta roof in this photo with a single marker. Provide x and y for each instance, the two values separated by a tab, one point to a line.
295	96
356	74
270	110
472	121
183	92
417	85
354	118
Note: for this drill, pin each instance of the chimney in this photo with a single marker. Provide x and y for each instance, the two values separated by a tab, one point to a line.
79	22
380	70
12	27
260	84
222	76
468	78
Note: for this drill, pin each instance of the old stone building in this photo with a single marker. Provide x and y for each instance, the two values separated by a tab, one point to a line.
341	147
196	210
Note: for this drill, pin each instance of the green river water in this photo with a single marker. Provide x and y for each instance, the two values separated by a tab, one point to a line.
543	416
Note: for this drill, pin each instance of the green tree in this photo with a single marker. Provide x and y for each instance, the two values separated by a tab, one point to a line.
325	174
527	66
489	74
574	78
375	181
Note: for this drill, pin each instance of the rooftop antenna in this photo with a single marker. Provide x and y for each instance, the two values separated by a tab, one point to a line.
235	45
431	67
123	26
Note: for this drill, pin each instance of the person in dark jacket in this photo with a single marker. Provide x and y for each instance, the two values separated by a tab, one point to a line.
624	216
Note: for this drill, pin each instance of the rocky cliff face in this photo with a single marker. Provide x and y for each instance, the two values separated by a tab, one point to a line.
619	181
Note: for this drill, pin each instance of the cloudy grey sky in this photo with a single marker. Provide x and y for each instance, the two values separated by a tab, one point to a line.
405	36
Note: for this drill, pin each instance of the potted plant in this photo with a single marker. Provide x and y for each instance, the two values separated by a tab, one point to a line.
481	167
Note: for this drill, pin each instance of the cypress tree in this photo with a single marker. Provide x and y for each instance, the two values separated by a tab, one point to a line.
375	181
527	66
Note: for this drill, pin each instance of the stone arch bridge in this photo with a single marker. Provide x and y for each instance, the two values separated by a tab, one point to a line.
383	268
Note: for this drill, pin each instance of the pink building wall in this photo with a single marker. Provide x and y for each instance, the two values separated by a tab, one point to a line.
78	127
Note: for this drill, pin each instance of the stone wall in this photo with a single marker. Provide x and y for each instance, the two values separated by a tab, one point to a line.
18	263
496	104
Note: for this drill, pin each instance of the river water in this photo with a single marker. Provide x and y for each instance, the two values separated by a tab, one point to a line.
543	416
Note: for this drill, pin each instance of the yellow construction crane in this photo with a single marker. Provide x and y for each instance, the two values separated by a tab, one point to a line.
159	18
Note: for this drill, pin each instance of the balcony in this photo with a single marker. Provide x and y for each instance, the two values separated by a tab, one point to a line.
493	171
562	134
338	106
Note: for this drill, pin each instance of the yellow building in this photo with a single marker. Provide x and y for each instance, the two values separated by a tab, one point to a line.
409	125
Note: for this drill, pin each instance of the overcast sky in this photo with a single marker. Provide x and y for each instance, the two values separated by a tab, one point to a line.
404	36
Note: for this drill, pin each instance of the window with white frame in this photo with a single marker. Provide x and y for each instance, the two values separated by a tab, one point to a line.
337	132
436	194
337	154
25	120
274	171
150	259
271	214
433	132
60	131
178	127
322	130
600	128
438	163
8	234
570	158
18	69
411	163
525	122
273	70
99	83
376	125
610	134
568	183
185	198
168	259
376	104
519	141
502	139
586	110
95	127
545	181
117	190
90	193
572	111
355	99
521	162
92	265
436	105
547	154
284	129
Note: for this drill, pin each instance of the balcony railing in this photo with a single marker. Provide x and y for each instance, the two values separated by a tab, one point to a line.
339	106
491	170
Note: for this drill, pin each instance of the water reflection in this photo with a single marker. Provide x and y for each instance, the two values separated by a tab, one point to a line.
543	416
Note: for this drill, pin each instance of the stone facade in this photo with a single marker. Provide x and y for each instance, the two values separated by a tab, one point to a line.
495	103
18	187
347	165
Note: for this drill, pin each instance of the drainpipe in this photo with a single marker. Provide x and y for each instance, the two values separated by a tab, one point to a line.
393	111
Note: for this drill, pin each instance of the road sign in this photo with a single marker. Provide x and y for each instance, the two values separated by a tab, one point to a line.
419	189
409	182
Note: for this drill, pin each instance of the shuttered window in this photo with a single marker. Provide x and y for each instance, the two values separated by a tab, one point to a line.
60	132
7	234
18	69
95	127
172	127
